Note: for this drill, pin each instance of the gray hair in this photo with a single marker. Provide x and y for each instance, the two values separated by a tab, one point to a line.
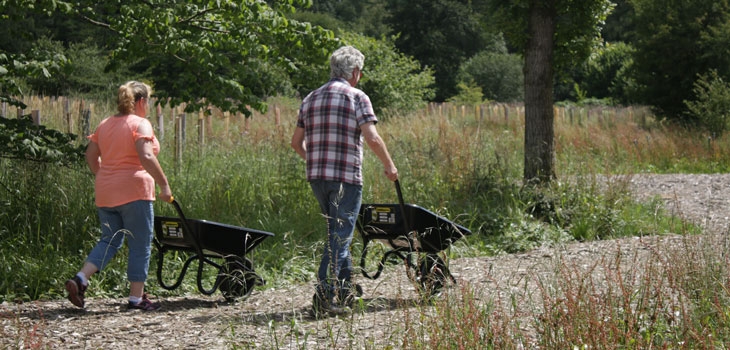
344	60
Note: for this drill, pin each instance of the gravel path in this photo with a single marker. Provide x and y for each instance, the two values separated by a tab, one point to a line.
278	318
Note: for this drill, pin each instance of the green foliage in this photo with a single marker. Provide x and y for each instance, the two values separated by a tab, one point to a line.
395	83
39	63
711	104
323	20
464	168
83	72
619	24
22	140
47	217
565	212
577	28
440	34
606	74
469	94
676	41
18	59
364	17
222	53
212	53
499	75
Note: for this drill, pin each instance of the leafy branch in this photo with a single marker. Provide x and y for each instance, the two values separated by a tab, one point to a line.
23	140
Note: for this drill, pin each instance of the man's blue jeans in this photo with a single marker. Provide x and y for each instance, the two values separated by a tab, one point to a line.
340	204
133	221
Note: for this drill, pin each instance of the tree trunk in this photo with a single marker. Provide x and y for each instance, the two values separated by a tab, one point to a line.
539	118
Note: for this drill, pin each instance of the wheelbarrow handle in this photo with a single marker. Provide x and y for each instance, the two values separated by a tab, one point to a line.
178	209
402	204
400	193
186	227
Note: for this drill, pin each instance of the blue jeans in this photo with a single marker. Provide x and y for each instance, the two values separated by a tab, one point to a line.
134	221
340	204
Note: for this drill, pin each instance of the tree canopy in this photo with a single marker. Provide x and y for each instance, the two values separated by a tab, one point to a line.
441	34
198	52
676	41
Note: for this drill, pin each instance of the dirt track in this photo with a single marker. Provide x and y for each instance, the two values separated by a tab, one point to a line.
279	317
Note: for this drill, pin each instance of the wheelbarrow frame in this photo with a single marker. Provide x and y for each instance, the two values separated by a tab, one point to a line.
210	242
413	234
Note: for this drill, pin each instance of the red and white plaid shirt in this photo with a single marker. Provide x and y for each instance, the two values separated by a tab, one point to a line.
331	117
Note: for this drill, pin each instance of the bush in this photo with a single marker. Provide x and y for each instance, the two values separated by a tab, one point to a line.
83	71
392	80
469	94
605	74
498	74
712	103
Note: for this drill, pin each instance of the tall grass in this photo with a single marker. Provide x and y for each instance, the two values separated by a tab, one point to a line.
676	298
464	164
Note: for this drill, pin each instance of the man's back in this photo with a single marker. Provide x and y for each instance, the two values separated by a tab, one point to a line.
331	117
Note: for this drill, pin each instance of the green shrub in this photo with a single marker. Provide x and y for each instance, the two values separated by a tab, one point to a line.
469	94
498	74
712	103
395	83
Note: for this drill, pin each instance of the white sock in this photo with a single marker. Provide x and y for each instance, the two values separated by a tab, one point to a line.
82	276
134	300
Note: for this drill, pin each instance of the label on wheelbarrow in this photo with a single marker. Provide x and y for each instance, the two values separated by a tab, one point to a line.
172	229
383	215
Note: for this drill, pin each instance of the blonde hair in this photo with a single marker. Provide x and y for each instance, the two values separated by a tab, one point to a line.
129	93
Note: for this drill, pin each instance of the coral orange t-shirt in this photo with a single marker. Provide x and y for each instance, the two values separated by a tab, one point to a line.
121	178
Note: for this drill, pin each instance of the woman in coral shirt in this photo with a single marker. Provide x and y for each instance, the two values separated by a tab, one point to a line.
122	154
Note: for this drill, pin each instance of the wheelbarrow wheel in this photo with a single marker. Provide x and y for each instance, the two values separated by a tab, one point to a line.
238	278
432	275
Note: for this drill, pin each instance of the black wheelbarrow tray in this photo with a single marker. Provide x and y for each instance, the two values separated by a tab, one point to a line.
413	234
220	246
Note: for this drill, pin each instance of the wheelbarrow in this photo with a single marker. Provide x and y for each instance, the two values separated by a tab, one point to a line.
413	234
214	245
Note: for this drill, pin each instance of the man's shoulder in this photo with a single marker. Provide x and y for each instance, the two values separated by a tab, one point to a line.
337	87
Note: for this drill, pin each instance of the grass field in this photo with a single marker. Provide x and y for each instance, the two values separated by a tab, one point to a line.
463	163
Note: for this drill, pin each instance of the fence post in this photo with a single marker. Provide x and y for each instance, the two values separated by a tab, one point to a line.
36	116
172	117
85	122
67	115
201	131
277	116
178	143
160	122
246	125
183	128
209	119
5	110
226	123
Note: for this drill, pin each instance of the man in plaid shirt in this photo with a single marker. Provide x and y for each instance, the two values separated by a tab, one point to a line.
332	123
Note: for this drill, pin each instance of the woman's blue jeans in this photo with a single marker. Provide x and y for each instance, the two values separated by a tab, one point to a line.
133	221
340	204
